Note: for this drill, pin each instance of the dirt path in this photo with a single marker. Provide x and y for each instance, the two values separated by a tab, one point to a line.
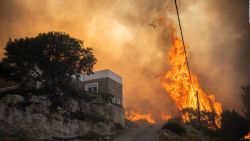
147	133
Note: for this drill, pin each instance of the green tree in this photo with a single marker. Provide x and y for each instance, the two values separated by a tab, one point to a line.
50	58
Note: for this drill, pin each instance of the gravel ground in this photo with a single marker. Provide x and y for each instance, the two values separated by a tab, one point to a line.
146	133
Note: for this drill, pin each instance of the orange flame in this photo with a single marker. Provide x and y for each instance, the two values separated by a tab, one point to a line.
177	84
247	136
135	116
165	116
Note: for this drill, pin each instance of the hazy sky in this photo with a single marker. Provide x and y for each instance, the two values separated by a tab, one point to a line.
126	40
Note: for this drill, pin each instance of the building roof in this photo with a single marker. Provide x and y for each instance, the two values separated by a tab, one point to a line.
102	74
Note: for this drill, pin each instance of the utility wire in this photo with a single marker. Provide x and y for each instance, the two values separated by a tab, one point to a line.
185	52
183	43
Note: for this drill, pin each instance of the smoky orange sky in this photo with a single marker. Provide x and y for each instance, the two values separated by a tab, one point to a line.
127	40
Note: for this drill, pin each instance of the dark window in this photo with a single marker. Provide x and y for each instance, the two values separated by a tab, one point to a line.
92	89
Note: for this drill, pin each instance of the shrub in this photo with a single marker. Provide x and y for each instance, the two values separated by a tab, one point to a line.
174	127
234	126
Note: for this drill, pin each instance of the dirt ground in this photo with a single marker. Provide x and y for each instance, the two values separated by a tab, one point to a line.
145	133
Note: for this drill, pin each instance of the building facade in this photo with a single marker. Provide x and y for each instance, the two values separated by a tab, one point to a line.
106	81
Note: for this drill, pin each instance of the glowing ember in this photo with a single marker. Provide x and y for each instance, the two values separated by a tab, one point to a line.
134	116
247	137
177	83
165	116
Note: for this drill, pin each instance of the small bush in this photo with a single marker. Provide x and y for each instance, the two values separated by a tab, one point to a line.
234	126
174	127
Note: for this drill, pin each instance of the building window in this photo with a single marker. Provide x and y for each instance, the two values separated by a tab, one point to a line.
118	101
91	87
113	100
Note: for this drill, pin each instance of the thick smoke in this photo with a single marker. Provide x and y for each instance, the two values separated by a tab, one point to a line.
127	40
218	33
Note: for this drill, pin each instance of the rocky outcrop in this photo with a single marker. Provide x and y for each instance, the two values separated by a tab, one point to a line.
47	116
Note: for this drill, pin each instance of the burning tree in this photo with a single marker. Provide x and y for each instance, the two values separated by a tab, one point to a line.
205	118
187	94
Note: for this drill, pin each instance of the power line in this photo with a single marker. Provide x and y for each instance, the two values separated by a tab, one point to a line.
185	52
183	43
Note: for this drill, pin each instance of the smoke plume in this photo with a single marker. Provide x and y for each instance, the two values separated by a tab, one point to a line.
127	40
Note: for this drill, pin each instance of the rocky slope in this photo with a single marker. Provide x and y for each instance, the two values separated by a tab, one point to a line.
48	116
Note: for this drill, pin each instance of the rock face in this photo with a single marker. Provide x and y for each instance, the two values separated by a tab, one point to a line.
48	117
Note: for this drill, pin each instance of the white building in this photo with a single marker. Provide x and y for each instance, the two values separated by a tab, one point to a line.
106	81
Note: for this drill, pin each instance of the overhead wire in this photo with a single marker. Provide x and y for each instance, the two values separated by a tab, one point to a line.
189	72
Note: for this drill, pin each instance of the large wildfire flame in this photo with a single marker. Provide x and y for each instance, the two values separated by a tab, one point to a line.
182	91
176	82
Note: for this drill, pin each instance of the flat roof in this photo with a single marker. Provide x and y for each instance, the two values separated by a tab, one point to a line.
102	74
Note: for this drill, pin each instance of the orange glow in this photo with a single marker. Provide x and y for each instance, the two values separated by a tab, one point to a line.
177	84
247	136
165	116
135	116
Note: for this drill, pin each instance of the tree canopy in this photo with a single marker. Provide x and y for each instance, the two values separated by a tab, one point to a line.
49	58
